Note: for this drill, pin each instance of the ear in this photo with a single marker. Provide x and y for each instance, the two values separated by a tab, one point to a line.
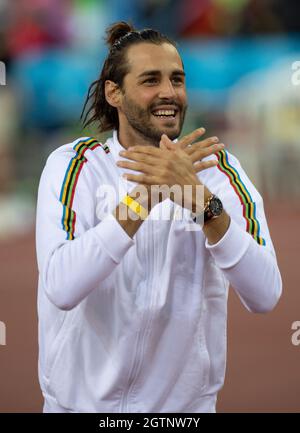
112	93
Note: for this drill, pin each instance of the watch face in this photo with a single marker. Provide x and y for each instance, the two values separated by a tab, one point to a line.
215	206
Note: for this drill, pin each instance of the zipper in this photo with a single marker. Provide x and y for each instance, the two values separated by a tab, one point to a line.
146	320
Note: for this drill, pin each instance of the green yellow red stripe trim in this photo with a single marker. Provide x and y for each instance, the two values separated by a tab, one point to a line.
70	181
249	206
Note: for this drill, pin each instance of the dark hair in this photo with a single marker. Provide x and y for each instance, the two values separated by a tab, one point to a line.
119	37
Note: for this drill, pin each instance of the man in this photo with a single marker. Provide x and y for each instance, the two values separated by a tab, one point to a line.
132	310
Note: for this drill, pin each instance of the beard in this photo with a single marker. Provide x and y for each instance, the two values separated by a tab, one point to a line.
142	120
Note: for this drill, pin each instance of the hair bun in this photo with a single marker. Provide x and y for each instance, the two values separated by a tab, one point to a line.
116	31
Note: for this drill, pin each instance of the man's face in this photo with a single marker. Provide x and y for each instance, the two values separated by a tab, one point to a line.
153	98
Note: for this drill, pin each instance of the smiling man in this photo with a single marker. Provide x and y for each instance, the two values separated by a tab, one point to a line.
133	311
144	114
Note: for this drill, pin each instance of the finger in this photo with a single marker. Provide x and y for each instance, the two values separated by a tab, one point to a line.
142	179
201	144
203	165
139	157
203	153
136	166
167	143
147	150
162	145
190	138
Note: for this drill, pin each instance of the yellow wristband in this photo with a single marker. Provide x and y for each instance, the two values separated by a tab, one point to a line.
135	207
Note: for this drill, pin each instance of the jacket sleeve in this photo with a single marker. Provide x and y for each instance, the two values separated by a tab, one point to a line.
245	254
75	251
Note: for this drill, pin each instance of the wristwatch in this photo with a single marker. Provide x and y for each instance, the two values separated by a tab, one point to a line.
212	209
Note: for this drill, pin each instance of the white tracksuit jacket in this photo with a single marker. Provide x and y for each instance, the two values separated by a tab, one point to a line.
139	325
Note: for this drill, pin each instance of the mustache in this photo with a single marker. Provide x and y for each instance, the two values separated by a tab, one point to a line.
172	103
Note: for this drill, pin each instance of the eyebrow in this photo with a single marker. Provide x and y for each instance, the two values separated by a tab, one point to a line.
157	72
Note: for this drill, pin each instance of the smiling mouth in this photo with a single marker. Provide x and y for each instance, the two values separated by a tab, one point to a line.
165	114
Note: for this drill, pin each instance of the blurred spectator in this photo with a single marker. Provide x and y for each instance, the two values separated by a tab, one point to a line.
161	14
230	17
37	24
261	17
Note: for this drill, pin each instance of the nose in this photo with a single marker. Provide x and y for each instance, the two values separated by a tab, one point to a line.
166	89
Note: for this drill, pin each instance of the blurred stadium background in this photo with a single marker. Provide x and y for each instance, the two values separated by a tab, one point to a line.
239	57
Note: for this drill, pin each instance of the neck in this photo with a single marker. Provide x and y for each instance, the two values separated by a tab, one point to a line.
134	138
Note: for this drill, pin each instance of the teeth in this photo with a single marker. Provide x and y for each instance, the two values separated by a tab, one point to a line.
164	113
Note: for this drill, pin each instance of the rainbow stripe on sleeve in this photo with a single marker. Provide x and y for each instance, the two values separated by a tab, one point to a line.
249	206
70	182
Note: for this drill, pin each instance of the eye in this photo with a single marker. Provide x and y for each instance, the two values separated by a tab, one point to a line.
151	81
177	80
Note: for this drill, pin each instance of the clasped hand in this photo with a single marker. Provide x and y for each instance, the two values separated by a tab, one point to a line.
172	163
